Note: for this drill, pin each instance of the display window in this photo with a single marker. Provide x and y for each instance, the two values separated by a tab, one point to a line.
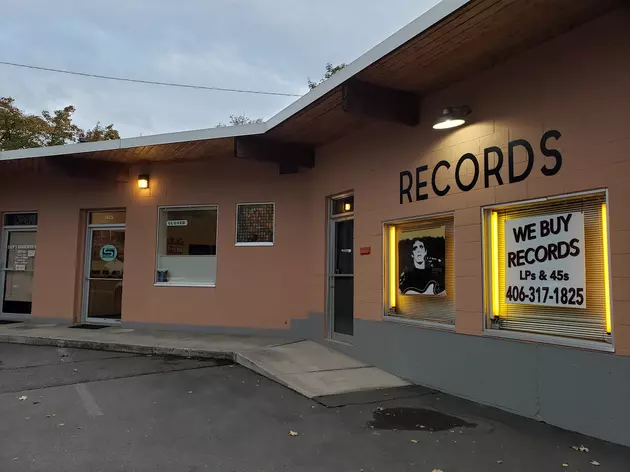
420	270
187	246
547	267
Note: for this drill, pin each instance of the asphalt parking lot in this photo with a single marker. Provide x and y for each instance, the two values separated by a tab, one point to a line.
83	411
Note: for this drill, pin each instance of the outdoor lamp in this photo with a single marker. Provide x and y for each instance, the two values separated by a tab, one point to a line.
143	181
452	117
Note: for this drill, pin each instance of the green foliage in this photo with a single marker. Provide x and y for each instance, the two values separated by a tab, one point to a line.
239	120
330	71
100	133
21	130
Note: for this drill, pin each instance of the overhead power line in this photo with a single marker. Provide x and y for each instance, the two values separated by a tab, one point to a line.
150	82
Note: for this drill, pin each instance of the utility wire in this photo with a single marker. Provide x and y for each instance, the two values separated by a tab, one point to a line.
151	82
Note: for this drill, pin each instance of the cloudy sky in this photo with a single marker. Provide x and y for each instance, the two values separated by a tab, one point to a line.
272	45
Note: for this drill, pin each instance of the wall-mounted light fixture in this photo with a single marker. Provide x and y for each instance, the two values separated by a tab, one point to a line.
452	117
143	181
347	206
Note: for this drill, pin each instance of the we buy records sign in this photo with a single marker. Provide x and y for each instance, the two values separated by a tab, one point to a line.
545	260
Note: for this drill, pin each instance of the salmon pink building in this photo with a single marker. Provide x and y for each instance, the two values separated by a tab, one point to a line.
453	207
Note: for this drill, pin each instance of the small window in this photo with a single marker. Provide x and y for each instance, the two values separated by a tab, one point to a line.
343	205
187	246
108	217
20	219
546	267
420	267
255	224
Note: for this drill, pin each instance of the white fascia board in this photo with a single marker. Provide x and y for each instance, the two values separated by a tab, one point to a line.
413	29
126	143
195	135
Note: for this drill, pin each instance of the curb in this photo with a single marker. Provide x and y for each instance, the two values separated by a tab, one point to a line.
117	347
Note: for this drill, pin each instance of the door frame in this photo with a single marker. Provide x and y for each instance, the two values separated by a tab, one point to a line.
4	241
330	266
86	271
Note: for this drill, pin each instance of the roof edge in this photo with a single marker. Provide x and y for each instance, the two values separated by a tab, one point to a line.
139	141
413	29
408	32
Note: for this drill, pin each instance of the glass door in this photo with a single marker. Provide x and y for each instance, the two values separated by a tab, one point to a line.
17	270
341	269
104	269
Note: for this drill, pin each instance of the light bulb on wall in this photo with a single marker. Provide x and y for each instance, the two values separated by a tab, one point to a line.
143	181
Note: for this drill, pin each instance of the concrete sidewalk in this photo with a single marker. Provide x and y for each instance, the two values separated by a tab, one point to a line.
308	368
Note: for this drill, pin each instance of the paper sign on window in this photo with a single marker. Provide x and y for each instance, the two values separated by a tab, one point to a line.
177	223
544	258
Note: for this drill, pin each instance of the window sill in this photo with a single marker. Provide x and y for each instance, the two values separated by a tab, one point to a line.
548	339
254	244
183	284
419	323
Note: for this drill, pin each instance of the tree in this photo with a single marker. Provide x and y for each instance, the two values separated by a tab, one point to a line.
21	130
330	71
100	133
239	120
61	130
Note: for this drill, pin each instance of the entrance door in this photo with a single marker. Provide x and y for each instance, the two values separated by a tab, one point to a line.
17	267
341	268
104	269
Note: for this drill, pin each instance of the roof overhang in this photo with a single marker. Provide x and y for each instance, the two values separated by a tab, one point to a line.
452	40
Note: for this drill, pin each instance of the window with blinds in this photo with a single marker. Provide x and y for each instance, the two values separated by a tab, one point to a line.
591	322
426	295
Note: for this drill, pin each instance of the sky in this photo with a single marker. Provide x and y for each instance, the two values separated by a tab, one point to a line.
270	45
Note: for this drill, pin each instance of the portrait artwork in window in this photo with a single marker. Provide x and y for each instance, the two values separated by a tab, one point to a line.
255	223
422	261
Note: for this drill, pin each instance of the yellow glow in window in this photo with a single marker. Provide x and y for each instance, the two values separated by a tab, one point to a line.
606	275
392	266
494	226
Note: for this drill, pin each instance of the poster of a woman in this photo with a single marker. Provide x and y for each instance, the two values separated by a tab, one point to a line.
421	261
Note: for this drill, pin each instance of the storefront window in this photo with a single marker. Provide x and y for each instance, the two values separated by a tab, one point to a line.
187	246
546	267
420	268
255	224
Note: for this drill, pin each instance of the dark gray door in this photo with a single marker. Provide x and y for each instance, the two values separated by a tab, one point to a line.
342	278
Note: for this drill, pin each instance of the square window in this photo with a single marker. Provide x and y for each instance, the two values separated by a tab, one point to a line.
255	224
187	246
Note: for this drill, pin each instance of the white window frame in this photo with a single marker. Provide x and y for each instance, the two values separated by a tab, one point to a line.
209	206
267	244
535	337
